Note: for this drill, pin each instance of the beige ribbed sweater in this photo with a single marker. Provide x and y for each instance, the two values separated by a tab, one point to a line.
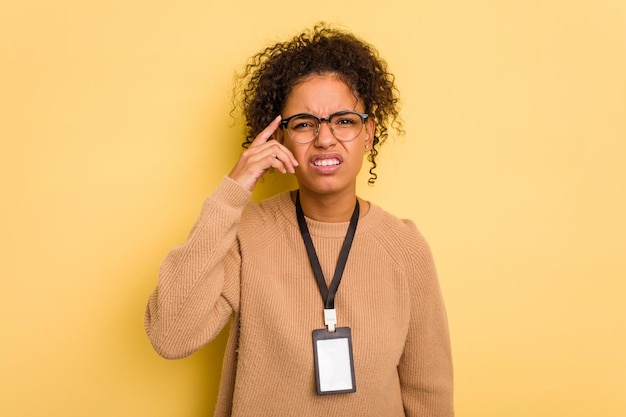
247	261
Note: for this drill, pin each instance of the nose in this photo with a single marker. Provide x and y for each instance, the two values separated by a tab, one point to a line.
325	137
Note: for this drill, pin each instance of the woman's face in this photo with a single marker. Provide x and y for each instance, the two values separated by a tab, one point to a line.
326	165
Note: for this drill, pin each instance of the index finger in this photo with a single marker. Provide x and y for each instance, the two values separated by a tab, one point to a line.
267	133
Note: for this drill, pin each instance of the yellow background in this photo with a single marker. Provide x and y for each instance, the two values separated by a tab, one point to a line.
114	125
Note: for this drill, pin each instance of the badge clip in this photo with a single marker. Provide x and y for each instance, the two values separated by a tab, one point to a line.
330	318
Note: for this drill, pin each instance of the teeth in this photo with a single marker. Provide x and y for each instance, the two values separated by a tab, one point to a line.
326	162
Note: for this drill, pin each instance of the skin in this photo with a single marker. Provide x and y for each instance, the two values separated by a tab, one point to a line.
327	193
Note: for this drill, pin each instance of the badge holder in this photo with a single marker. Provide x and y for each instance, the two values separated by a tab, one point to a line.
334	365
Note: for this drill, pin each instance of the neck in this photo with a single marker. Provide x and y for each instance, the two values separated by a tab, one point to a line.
328	209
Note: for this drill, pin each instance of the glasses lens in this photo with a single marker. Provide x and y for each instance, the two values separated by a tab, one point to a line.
303	129
346	126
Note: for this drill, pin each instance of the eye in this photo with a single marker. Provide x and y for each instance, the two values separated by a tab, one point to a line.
303	123
345	121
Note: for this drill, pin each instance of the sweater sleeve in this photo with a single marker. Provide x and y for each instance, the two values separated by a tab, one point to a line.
425	368
198	285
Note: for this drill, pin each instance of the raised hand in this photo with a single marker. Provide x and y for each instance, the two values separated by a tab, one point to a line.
263	153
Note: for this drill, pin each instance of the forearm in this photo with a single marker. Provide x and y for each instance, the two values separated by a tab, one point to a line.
198	286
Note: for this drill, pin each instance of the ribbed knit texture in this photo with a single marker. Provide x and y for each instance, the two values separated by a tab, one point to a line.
247	261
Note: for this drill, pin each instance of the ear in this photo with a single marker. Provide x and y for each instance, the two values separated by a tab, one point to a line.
370	129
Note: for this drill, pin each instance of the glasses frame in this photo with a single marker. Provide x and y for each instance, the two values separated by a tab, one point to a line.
363	116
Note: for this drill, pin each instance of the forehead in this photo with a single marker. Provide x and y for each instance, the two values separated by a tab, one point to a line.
321	94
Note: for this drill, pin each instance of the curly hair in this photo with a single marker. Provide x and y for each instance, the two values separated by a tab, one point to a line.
270	76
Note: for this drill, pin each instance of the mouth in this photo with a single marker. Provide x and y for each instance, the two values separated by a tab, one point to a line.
326	163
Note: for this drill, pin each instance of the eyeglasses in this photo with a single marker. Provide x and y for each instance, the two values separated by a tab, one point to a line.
345	125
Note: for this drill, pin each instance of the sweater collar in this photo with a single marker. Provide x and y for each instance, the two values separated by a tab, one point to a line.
287	209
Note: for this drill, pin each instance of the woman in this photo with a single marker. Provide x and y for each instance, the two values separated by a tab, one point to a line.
300	344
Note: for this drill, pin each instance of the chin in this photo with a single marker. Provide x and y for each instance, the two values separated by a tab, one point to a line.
325	187
326	184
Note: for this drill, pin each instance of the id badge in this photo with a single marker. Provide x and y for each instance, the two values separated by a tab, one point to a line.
334	365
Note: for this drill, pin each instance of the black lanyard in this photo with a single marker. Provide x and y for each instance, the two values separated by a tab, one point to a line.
328	294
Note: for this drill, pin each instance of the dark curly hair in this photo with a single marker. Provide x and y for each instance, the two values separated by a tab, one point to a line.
270	76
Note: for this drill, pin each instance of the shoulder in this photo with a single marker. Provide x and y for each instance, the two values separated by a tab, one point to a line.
401	238
383	224
272	212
